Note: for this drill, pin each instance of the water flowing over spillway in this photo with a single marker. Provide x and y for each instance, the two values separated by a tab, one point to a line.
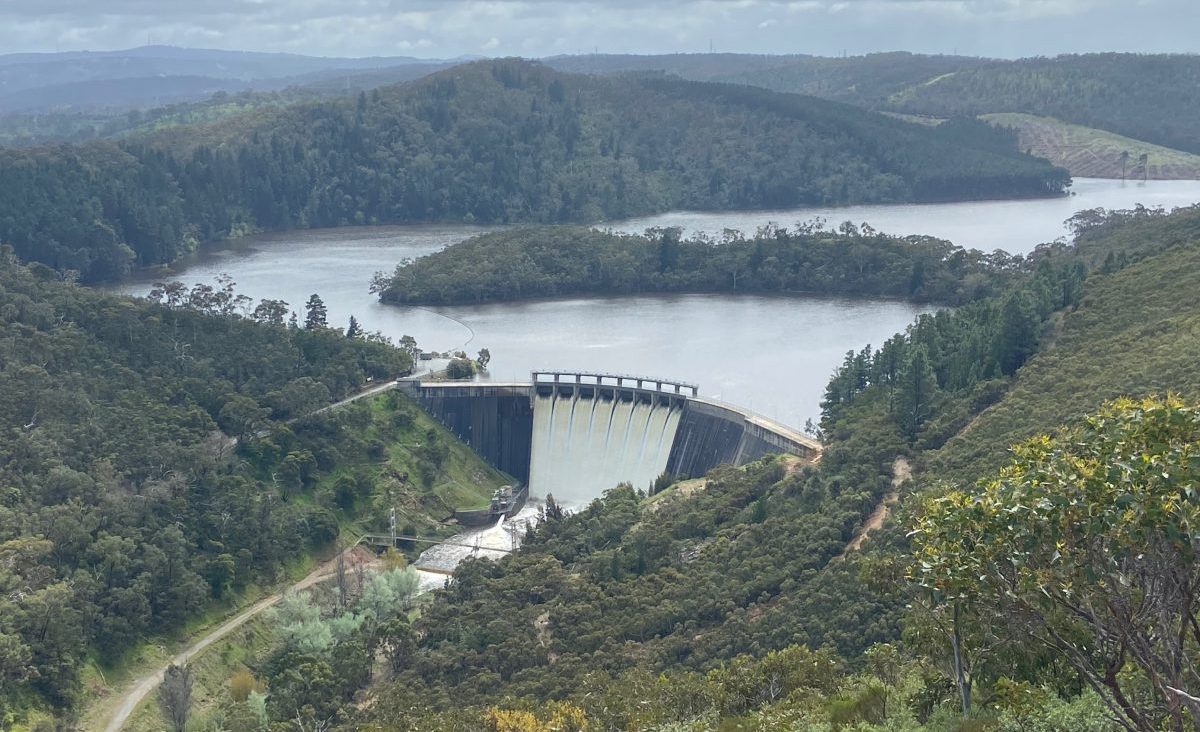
585	445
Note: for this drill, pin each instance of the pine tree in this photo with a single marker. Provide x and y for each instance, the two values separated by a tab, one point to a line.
1016	339
315	313
915	396
354	330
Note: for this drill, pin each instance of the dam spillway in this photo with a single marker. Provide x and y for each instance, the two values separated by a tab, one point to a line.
588	439
575	435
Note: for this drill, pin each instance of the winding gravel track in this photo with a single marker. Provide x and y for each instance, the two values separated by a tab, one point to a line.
146	685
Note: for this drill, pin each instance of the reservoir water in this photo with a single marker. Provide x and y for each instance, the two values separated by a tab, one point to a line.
772	355
1014	226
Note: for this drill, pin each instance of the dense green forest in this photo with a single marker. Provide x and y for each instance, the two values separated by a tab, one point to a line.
501	141
723	603
531	262
1133	95
1142	96
152	464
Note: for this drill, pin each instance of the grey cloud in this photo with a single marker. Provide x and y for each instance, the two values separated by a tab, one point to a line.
446	28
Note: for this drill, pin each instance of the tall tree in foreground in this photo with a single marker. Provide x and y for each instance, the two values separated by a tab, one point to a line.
175	695
1086	545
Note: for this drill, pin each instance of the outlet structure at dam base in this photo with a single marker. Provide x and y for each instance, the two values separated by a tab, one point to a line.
575	435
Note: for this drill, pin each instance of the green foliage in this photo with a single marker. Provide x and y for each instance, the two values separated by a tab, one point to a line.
388	592
729	571
125	510
460	368
322	656
1087	535
1132	335
1075	88
1137	95
315	313
493	141
564	261
947	365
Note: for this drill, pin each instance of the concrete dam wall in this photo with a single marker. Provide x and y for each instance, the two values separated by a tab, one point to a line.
494	420
577	435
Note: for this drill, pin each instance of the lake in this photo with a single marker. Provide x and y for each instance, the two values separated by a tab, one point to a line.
1014	226
770	354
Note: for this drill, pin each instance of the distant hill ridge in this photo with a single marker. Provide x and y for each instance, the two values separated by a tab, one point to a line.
494	141
1148	97
1144	97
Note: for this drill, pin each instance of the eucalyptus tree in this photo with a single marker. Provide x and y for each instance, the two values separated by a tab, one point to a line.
1086	545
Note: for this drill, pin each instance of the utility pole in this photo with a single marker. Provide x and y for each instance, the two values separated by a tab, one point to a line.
392	523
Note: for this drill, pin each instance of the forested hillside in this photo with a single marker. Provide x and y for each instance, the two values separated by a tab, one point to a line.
1145	97
131	495
1134	334
866	81
530	262
502	141
705	606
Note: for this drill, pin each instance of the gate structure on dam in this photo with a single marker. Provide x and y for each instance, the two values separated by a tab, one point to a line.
576	434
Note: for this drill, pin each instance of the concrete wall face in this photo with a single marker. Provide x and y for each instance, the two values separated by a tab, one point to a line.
498	428
707	437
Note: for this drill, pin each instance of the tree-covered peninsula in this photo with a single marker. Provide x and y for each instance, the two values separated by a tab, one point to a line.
496	141
564	261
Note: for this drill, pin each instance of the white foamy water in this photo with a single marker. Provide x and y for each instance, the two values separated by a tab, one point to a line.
483	542
582	447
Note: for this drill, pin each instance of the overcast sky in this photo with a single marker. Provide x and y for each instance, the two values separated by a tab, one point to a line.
449	28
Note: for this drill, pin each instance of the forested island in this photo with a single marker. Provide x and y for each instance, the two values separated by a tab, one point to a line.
727	603
533	262
489	142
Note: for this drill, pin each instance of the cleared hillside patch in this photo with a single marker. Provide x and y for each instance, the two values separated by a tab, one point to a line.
1092	153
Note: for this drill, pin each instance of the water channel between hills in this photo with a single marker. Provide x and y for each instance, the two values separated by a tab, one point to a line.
772	355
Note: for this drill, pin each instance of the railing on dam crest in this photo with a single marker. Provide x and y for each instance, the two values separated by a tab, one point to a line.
616	381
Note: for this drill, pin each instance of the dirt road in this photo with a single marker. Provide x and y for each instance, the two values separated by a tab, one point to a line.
901	472
146	685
